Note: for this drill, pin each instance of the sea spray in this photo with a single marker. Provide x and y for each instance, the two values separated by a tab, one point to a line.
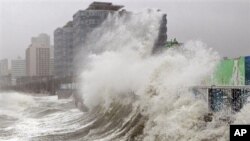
243	117
119	50
15	102
25	117
174	112
121	65
131	94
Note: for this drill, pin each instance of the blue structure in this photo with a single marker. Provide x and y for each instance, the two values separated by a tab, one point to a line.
231	98
215	97
247	70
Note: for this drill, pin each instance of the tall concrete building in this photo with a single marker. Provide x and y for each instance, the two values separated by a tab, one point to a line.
52	60
63	49
43	40
161	41
18	69
4	70
69	40
5	77
84	21
51	67
38	56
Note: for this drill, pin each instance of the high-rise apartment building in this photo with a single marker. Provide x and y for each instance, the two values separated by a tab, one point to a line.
38	56
4	67
162	35
18	68
63	49
52	60
5	77
84	21
51	67
69	40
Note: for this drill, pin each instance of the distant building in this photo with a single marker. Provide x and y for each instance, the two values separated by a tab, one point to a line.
18	69
5	80
4	67
69	40
63	51
38	56
5	77
52	60
43	40
51	51
85	21
51	67
162	35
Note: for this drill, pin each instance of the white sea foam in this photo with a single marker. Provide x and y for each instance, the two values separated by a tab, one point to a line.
118	64
12	103
121	63
29	123
243	117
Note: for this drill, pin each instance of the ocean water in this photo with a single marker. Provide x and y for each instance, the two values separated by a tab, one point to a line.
130	93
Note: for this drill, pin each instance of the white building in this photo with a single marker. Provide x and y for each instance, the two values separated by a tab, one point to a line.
38	56
4	67
4	73
18	69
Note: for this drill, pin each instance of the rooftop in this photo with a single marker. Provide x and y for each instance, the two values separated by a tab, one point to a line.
68	24
104	6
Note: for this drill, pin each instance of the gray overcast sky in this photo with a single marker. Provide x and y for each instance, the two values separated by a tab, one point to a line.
221	24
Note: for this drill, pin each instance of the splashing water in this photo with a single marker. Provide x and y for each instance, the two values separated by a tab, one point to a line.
13	103
120	68
130	93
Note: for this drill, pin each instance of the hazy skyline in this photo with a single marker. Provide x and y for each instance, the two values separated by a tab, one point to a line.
221	24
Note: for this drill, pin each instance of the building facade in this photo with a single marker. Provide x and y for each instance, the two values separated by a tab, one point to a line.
52	60
38	56
4	67
5	77
63	49
70	39
84	21
161	41
18	69
51	67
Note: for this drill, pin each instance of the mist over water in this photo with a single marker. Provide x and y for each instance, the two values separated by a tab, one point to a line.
124	69
30	118
130	93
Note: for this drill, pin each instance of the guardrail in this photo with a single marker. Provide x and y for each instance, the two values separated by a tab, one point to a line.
224	97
